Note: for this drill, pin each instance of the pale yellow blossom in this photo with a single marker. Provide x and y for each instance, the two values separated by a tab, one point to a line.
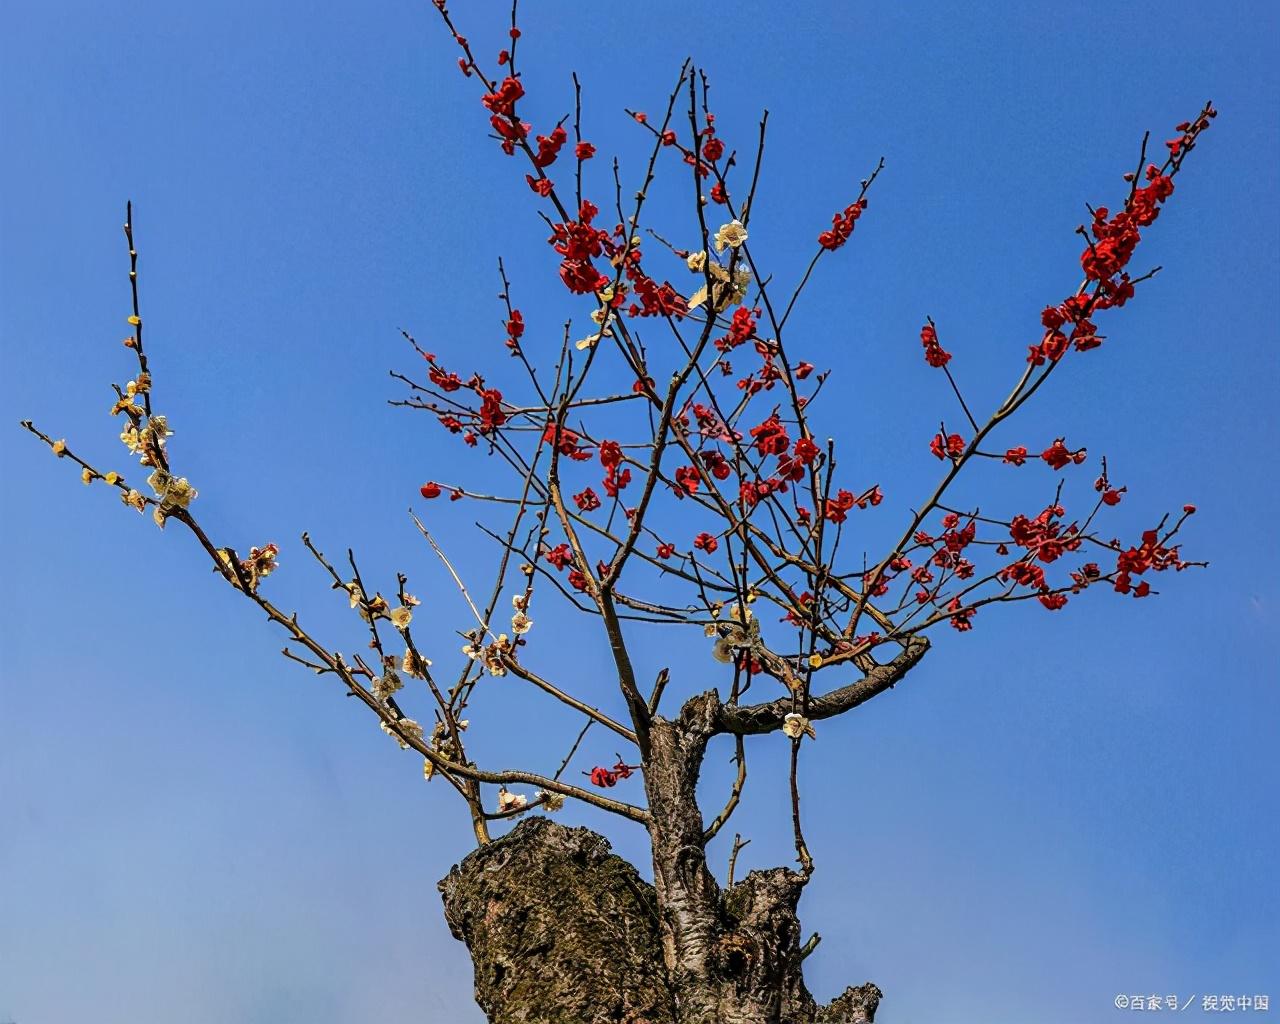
260	564
593	339
387	684
158	426
494	654
730	235
508	801
86	475
400	617
414	665
696	261
181	493
726	290
173	491
740	630
795	726
408	727
377	608
551	802
521	623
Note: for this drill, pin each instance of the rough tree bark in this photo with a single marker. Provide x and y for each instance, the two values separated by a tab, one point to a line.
561	930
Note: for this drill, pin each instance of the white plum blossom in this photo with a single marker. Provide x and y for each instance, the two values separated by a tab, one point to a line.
730	236
795	726
508	801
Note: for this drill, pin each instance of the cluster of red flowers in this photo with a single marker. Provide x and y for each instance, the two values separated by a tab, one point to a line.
565	442
934	354
616	477
950	447
592	259
752	492
842	226
1110	495
1111	243
770	437
431	489
1031	576
1044	537
608	777
712	149
961	618
1058	455
655	299
717	465
446	380
578	243
742	328
543	185
1150	554
802	456
515	329
492	415
687	480
1117	237
559	556
1084	333
838	507
502	105
616	480
549	147
770	374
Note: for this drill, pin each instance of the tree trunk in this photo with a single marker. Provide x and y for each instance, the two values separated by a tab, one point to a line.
562	931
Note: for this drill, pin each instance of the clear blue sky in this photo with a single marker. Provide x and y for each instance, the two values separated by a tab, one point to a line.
1052	810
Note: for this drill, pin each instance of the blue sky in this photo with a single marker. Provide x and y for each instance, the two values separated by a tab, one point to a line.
1052	810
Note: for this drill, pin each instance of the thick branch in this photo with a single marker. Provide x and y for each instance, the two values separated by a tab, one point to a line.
750	719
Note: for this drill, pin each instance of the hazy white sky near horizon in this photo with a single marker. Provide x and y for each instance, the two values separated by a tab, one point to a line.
1052	810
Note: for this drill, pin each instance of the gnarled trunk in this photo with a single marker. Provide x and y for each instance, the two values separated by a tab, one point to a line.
732	958
562	930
